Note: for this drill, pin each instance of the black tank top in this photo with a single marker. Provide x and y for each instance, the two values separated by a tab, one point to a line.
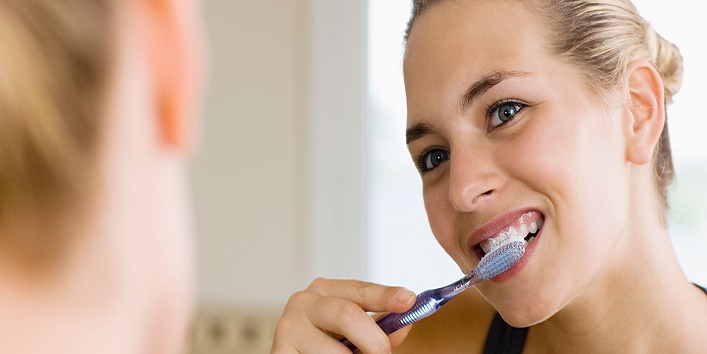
505	339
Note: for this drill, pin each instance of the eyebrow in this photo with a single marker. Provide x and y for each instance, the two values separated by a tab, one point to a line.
478	88
417	131
486	83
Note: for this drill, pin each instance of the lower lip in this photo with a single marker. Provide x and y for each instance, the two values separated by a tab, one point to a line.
518	267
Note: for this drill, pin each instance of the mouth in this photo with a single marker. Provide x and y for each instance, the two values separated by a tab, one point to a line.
525	228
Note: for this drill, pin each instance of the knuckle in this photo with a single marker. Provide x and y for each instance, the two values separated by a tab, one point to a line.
347	314
318	284
296	306
363	290
302	301
364	285
283	328
298	298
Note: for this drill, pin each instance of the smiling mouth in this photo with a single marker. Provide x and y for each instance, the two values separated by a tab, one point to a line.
524	229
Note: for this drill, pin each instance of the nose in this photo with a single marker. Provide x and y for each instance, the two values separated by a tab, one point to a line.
474	180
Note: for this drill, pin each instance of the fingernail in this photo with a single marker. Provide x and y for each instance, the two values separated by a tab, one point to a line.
405	296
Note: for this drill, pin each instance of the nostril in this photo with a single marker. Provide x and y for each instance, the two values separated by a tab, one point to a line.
483	195
468	189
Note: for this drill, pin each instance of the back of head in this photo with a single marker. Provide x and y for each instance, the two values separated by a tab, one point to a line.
53	72
97	98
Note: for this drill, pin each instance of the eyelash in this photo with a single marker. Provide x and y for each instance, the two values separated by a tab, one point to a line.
420	162
496	105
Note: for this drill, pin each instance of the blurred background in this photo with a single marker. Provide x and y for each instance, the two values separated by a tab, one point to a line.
303	170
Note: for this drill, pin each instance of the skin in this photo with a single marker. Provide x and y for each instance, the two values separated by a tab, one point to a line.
126	282
583	161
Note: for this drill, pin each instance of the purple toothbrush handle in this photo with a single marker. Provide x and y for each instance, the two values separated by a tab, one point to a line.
426	304
429	301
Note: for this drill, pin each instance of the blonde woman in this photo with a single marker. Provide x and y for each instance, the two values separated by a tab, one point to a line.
521	112
97	104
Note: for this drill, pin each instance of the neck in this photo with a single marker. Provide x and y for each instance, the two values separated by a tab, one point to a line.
76	297
115	282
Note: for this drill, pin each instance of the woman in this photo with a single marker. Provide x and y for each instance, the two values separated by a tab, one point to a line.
550	112
97	100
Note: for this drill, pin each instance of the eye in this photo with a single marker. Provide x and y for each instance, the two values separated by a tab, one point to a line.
432	158
504	112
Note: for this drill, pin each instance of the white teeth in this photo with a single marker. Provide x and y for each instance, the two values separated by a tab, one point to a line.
523	230
510	235
533	228
496	242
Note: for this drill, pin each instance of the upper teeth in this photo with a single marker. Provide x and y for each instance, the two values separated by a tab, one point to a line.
510	235
533	227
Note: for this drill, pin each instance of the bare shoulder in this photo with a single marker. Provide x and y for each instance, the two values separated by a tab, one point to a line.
459	326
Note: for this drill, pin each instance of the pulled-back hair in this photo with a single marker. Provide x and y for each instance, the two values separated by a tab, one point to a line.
600	38
53	71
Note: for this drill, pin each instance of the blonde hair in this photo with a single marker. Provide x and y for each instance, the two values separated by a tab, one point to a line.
53	69
600	38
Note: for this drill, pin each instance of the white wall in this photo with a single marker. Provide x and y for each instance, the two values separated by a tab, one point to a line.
278	198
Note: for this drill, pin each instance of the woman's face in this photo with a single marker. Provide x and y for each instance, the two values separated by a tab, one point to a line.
506	134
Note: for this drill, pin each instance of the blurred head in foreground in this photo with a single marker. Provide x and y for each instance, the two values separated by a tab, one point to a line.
98	104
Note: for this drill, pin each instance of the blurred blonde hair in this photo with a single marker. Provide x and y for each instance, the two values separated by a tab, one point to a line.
600	38
53	73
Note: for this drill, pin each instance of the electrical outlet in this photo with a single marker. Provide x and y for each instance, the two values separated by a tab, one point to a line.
233	332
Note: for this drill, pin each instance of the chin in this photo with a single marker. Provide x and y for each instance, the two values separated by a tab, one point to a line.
521	319
527	312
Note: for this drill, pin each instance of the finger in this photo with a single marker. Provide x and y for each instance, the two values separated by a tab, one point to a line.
369	296
397	337
321	343
304	340
346	318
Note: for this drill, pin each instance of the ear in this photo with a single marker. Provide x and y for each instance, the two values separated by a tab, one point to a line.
647	111
173	41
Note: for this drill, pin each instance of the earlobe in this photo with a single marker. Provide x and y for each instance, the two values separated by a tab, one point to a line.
647	111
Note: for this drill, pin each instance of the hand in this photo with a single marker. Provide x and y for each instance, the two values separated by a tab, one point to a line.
315	319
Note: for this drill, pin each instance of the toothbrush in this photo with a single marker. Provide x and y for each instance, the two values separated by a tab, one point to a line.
429	301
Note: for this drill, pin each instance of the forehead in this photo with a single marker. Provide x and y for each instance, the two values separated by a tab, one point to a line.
455	42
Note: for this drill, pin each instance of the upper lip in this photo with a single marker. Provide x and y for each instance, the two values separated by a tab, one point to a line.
495	226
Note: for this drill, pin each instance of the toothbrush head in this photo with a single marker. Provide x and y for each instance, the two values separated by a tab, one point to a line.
499	260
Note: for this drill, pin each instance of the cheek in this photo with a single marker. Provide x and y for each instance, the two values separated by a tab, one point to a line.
442	218
573	158
437	210
576	163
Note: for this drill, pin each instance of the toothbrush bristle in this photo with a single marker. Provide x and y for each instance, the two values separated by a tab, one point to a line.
500	260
